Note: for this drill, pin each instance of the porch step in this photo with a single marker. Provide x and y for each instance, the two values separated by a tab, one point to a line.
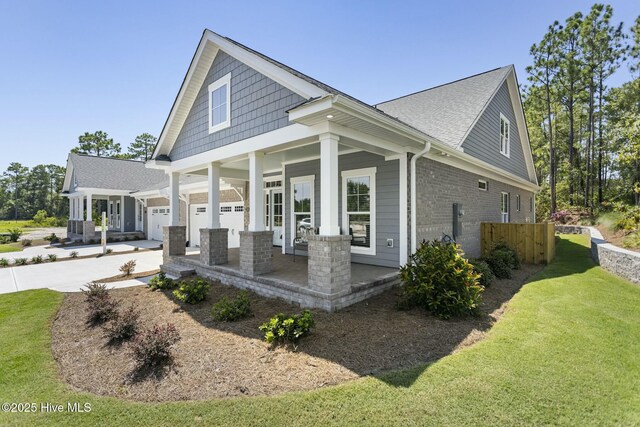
177	270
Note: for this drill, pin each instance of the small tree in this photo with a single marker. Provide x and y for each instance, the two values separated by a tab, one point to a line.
142	148
40	217
97	143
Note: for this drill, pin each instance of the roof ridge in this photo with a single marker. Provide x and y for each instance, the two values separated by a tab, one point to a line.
441	85
107	157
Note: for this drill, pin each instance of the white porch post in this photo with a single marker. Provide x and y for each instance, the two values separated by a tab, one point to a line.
213	201
122	213
404	211
256	193
89	207
174	198
329	185
81	208
70	208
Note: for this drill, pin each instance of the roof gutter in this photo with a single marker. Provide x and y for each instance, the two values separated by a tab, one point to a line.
414	221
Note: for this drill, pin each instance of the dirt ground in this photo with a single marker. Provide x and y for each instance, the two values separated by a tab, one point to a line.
217	359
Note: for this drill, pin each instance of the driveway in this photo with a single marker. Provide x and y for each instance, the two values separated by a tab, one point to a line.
41	233
71	276
64	252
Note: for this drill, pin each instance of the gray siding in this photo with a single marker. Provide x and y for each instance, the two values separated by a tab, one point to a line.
129	214
387	202
440	185
483	142
258	105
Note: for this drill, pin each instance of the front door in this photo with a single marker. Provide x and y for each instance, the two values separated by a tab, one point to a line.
274	209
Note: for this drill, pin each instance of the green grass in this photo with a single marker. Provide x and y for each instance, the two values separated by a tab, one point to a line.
6	225
10	247
565	353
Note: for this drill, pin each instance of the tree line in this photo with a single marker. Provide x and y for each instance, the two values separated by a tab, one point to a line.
25	191
585	134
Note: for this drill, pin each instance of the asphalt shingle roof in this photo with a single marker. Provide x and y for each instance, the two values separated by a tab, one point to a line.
446	112
113	174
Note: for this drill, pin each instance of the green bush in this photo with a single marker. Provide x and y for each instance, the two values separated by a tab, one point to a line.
482	268
73	254
4	239
152	348
632	241
162	282
26	242
20	261
123	326
100	306
512	255
228	310
192	291
4	262
500	264
14	234
39	217
52	221
439	279
52	238
291	328
36	259
109	251
52	257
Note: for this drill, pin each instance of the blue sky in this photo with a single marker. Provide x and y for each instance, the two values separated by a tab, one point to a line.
70	67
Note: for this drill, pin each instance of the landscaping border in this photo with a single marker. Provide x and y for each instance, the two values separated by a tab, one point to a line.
619	261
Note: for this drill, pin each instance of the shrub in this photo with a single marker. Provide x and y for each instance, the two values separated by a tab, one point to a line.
152	347
100	306
52	257
136	249
4	239
4	262
52	221
109	251
161	281
14	234
20	261
192	291
482	268
281	328
128	267
26	242
632	241
228	310
39	217
124	326
439	279
510	255
561	216
73	254
52	238
36	259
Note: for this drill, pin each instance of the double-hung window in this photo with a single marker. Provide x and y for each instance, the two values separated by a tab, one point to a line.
505	132
220	104
518	202
504	207
302	205
358	209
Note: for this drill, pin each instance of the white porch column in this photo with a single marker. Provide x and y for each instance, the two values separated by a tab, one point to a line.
329	225
213	201
122	213
256	193
70	208
174	198
81	208
89	207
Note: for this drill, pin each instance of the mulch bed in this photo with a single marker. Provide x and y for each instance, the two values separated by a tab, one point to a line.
218	359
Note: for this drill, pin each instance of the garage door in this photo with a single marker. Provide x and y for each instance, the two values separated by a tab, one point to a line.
231	217
158	218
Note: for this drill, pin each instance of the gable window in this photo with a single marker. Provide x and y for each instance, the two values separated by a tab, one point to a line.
518	202
358	209
220	104
483	185
302	205
504	207
530	204
505	132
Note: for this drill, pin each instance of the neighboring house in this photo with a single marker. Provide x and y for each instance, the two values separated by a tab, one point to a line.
348	183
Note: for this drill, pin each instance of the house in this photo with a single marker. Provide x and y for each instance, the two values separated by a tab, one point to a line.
354	187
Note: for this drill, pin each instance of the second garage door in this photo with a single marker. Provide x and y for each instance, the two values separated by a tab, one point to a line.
231	217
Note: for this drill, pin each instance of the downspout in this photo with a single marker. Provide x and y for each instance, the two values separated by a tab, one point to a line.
414	159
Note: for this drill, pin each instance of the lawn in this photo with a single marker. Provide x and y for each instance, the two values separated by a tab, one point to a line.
6	225
565	353
10	247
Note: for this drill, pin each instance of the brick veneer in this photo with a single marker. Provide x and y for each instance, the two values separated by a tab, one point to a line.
174	242
329	263
214	246
255	252
89	231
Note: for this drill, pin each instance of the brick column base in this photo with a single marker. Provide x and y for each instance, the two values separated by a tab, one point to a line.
256	254
69	228
89	228
329	263
80	227
174	242
214	246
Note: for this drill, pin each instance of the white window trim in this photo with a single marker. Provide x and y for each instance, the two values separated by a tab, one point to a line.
486	185
518	201
371	172
508	212
507	151
299	180
212	87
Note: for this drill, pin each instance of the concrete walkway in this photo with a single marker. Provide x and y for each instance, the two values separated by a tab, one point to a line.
64	252
71	276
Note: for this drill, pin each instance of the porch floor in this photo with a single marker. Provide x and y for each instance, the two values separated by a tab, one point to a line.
285	270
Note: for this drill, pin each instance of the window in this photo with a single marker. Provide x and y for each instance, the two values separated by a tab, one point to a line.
302	205
504	207
239	209
530	204
518	202
201	210
273	184
505	131
483	185
220	104
358	209
225	208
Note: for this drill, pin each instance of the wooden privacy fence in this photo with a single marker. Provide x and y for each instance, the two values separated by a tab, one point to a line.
534	243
